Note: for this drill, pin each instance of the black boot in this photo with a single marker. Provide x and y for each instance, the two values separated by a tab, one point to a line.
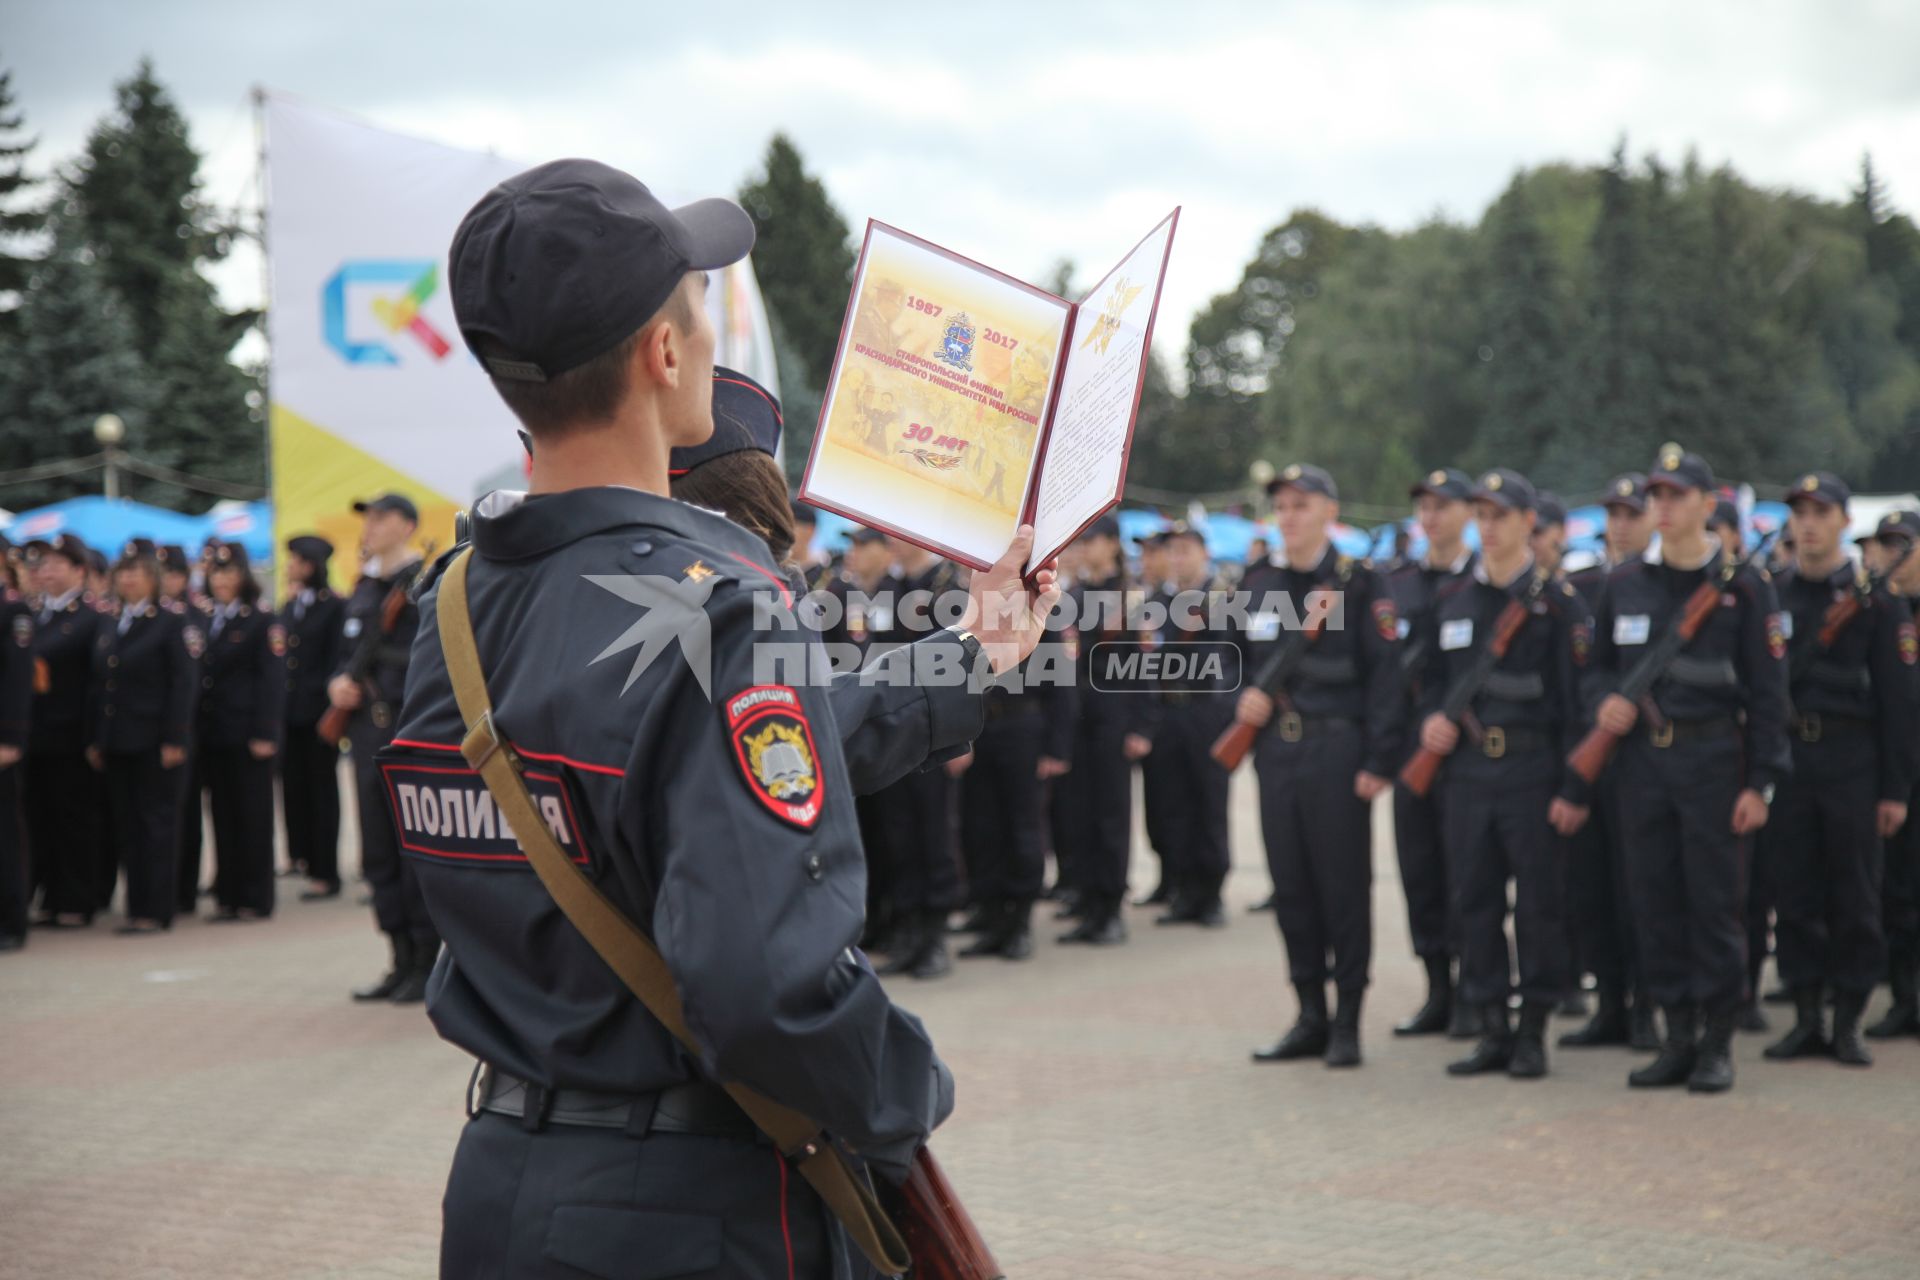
1642	1035
1307	1038
1343	1045
993	919
1848	1048
1808	1038
908	939
1431	1018
1529	1061
1713	1065
402	945
1903	1015
1749	1017
978	920
1675	1062
1495	1049
1109	926
1607	1026
1162	895
1181	906
413	984
1017	942
932	960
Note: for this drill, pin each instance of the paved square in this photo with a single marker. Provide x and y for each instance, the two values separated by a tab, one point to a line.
209	1104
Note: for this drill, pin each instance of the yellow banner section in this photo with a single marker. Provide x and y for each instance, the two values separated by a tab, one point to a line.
317	477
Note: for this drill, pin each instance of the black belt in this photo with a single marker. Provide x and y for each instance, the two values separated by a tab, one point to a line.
1671	732
695	1108
1294	727
1812	726
1498	741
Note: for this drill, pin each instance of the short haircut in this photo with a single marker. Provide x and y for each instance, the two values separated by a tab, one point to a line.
588	393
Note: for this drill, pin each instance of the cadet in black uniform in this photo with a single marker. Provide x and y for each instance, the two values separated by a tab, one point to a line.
1598	904
62	792
1549	530
1091	809
16	704
1893	546
597	1139
391	564
1508	790
1697	769
1442	506
1321	763
1854	730
146	683
243	684
1187	715
309	768
1154	576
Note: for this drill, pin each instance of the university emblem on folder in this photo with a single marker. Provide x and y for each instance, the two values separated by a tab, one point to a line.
956	346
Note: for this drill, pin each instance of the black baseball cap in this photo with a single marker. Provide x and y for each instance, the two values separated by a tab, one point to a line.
565	261
1551	508
311	548
1821	486
1898	524
1181	529
1725	512
1305	477
1675	468
1505	487
1450	483
1629	491
745	416
862	534
399	502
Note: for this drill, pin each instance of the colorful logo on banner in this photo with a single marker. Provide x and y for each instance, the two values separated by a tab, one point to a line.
394	313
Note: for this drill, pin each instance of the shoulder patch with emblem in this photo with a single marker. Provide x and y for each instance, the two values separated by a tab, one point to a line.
23	629
194	639
1385	620
1582	642
277	640
773	744
1909	643
1776	636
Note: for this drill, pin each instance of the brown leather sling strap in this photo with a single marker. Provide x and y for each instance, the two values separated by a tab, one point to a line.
628	951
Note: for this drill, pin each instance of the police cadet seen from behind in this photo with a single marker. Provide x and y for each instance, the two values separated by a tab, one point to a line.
1442	504
1599	908
707	806
16	704
1507	789
1850	667
1701	756
1156	577
146	684
242	702
1187	713
62	799
1891	549
377	633
1330	741
309	767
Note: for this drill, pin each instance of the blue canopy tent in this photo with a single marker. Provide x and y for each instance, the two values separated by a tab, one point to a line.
106	524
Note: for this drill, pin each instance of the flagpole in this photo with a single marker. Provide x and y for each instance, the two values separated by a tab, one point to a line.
261	191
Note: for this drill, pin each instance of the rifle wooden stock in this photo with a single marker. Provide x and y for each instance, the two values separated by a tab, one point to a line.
1590	758
1231	747
1418	773
333	725
940	1234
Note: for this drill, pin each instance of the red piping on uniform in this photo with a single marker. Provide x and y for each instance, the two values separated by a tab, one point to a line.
785	1233
607	769
786	594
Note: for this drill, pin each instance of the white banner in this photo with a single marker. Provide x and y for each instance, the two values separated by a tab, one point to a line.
372	387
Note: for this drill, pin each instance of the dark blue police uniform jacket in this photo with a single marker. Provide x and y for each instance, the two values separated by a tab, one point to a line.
707	798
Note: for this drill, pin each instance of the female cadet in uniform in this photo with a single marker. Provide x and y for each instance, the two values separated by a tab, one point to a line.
310	768
243	691
146	678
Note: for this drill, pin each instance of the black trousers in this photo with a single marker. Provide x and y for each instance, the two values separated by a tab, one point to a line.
1686	869
1000	812
187	860
398	904
310	795
143	813
1823	855
1159	779
1419	845
240	793
61	798
1900	887
1193	795
1092	815
15	878
920	820
1319	838
1599	908
876	842
1497	830
571	1201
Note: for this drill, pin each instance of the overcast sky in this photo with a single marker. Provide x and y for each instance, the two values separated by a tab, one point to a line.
1021	133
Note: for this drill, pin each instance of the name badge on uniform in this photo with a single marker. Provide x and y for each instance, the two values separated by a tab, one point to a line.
1404	628
351	629
1786	624
881	619
1263	626
1632	628
1456	633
